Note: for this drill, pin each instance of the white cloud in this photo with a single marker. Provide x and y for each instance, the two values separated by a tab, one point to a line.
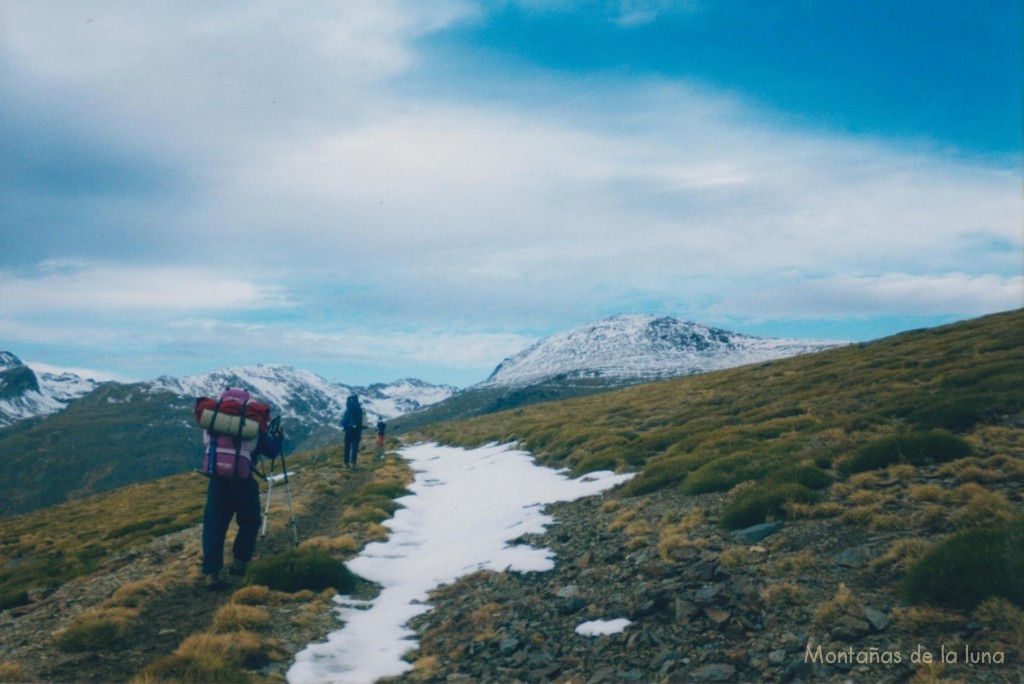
866	296
84	287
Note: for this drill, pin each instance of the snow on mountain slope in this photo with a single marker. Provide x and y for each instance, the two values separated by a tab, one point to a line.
303	395
25	393
631	347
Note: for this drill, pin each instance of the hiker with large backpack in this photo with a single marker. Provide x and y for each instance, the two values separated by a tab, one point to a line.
236	435
352	424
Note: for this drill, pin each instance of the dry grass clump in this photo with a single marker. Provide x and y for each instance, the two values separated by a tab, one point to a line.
133	594
779	594
425	669
675	540
1004	619
981	507
611	506
793	563
237	617
622	520
843	603
344	544
212	658
900	555
253	595
13	673
97	630
926	620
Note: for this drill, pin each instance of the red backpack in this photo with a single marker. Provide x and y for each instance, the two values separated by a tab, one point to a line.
233	425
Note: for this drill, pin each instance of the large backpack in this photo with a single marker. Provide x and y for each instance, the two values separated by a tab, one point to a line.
232	425
353	418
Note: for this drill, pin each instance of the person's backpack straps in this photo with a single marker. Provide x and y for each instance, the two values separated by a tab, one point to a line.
211	466
238	442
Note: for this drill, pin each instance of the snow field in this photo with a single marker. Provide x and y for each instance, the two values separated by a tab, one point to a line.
465	508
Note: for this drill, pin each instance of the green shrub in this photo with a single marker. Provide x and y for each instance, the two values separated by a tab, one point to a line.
602	460
661	473
387	490
962	412
969	567
724	473
915	448
804	474
300	569
755	505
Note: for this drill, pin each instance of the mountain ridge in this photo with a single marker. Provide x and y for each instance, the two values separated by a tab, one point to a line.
641	347
618	351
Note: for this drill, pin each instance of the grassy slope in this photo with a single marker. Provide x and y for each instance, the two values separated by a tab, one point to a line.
82	542
741	424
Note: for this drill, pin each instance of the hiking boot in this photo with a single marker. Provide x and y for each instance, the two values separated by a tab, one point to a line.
215	582
237	569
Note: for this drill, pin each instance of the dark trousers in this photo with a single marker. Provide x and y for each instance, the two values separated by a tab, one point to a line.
225	499
352	446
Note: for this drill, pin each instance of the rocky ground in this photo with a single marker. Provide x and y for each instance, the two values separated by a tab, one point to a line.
813	599
719	606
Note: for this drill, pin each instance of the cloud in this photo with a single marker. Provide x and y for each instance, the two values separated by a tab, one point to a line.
83	287
867	296
332	168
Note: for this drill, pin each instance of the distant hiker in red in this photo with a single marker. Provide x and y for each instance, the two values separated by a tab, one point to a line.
352	424
381	427
233	492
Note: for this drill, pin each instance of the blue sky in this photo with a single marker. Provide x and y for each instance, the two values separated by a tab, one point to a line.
385	189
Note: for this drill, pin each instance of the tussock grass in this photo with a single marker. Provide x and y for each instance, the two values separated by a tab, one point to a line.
97	630
237	617
843	603
970	566
13	673
214	658
253	595
761	502
299	569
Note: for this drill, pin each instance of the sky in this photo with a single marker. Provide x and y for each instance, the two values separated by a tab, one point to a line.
380	189
432	542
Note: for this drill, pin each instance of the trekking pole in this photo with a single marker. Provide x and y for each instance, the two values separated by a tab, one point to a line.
266	511
288	489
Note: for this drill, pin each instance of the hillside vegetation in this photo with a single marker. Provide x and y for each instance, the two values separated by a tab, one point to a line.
856	503
896	468
710	432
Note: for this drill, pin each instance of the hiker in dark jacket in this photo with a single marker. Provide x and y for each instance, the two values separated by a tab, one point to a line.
352	424
381	427
234	496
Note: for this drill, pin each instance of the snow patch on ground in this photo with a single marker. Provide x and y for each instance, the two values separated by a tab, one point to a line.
603	627
466	506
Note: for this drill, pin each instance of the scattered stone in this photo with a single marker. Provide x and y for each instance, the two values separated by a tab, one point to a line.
758	532
848	628
717	617
568	591
777	657
877	619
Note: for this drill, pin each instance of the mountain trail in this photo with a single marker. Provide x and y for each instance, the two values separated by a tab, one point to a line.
161	580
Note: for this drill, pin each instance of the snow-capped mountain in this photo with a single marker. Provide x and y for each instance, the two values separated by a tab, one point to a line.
25	393
306	397
631	348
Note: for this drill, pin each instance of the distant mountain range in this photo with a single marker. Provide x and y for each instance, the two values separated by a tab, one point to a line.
623	350
73	436
68	437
